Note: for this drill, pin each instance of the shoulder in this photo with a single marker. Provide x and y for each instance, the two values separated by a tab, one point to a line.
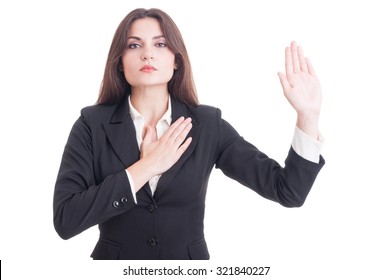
205	113
98	113
96	110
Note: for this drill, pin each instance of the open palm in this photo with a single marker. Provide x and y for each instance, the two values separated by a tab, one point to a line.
300	84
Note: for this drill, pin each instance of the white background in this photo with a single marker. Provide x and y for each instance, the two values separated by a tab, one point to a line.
52	57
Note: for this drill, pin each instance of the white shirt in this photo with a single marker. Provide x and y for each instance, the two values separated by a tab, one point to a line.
304	145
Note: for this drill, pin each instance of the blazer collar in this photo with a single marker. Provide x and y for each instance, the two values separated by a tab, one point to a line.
121	112
121	134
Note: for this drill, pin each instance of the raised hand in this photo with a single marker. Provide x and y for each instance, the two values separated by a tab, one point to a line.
302	89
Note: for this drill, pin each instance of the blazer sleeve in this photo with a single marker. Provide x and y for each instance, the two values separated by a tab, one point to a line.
79	202
240	160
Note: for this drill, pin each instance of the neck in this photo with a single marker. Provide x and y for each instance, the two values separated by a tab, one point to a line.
151	103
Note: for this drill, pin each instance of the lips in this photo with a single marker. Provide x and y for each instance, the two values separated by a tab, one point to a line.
147	69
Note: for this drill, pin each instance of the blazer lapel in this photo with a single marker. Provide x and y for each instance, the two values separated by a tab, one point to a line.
121	134
178	110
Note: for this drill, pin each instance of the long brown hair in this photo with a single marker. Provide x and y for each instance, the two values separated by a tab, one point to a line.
114	85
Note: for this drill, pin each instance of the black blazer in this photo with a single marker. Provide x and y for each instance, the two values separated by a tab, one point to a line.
92	186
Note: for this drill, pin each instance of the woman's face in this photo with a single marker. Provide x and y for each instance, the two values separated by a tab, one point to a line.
147	61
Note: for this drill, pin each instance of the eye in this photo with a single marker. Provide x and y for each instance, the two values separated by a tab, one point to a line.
160	45
134	46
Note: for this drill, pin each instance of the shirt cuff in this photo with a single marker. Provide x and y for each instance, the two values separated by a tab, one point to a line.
132	184
306	146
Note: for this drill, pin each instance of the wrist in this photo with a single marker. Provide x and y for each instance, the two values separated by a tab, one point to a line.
308	123
141	173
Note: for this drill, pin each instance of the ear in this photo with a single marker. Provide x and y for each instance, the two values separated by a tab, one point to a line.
175	66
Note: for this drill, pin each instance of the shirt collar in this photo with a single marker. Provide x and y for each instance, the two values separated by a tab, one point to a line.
135	115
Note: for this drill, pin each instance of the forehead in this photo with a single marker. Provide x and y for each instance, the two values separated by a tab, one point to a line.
145	27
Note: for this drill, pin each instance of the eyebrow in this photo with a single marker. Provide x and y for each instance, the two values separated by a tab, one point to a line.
140	39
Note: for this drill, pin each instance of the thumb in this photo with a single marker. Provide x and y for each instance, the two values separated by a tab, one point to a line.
148	136
284	82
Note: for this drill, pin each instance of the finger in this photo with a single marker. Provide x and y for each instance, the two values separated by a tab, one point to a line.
310	67
149	135
294	57
302	60
180	135
183	147
284	82
148	138
172	128
178	130
288	61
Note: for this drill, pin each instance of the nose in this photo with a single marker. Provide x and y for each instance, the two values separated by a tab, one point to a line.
147	55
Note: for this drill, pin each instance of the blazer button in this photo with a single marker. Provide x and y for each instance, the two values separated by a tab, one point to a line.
152	208
153	242
115	204
124	200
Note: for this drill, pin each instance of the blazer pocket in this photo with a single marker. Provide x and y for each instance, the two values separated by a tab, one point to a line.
197	250
106	250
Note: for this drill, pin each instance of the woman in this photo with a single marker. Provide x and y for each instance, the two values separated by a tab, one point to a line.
138	165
